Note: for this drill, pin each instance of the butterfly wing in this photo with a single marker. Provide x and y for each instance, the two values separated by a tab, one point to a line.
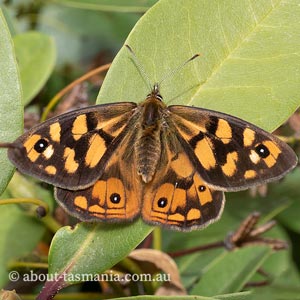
229	153
71	150
115	196
177	197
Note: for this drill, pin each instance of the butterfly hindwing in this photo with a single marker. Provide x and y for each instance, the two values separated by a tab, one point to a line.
71	150
115	196
229	153
178	198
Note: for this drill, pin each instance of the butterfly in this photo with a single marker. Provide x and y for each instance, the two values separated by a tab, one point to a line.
168	164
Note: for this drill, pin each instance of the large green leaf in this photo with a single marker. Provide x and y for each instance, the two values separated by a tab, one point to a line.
238	266
11	109
92	249
19	235
249	65
235	296
36	58
110	5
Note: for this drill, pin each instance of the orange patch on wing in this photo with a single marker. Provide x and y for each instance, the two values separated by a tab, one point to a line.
79	127
182	166
203	192
51	170
176	218
229	168
254	157
205	154
193	214
81	201
115	188
95	151
99	192
71	165
224	131
29	146
54	131
111	125
179	199
165	191
96	209
249	174
274	153
48	152
248	137
192	129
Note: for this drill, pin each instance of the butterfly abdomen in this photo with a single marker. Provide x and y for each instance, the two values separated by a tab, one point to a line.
147	151
148	145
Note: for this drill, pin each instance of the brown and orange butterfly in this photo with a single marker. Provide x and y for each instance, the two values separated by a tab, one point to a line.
169	164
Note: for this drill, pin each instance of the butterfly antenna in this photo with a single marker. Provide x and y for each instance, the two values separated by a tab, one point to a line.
140	67
176	70
10	145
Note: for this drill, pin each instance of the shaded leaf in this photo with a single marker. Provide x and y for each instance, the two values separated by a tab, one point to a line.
19	235
11	108
78	35
237	268
235	296
36	58
92	249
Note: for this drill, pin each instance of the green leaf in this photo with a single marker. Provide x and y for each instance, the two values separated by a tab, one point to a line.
92	249
236	296
36	57
19	235
229	272
11	109
289	191
73	26
110	5
249	66
22	187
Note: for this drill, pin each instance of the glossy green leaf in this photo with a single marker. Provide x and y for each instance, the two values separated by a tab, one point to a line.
11	109
235	296
92	249
230	271
110	5
281	269
249	66
19	235
278	292
36	58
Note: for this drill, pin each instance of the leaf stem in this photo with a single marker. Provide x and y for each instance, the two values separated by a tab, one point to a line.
157	238
48	220
61	93
27	264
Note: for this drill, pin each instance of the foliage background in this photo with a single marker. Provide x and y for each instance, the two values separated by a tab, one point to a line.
249	67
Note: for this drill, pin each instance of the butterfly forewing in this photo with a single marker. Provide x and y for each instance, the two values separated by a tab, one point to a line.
229	153
71	150
115	196
177	197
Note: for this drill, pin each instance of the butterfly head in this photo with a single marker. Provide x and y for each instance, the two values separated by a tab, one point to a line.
155	93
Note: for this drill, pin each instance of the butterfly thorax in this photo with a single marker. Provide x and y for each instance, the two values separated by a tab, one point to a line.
148	144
